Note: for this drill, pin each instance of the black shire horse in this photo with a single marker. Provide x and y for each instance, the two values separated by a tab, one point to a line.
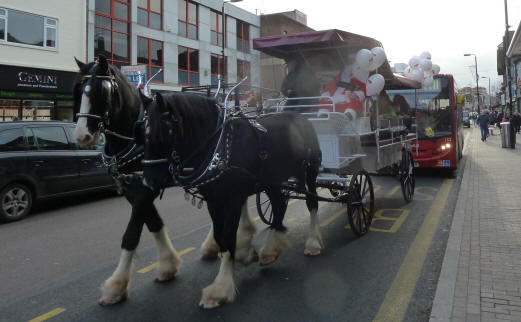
105	99
183	139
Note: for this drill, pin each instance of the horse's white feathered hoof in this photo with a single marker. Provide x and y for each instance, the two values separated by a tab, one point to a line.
267	259
113	291
276	243
209	254
217	294
246	256
209	248
168	268
314	246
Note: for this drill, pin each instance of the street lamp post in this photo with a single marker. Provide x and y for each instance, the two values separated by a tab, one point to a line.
477	76
489	97
223	19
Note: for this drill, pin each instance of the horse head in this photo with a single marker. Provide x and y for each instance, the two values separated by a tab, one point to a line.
158	134
100	92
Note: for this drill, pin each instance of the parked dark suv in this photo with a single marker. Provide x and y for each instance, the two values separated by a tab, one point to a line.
41	159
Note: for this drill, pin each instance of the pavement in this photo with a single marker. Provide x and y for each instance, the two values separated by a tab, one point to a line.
480	279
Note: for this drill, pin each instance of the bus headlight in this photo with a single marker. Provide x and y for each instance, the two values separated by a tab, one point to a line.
445	146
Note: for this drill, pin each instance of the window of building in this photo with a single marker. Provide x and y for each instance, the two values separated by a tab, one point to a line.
150	53
149	13
39	110
9	109
216	27
112	34
243	36
188	22
188	62
218	67
28	29
243	69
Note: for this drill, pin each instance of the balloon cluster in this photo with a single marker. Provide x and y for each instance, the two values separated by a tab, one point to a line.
367	61
421	69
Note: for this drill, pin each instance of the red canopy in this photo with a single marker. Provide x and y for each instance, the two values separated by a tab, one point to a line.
328	50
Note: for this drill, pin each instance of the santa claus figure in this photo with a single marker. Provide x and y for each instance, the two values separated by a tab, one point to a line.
347	91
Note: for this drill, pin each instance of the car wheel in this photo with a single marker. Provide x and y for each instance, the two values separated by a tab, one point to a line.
15	202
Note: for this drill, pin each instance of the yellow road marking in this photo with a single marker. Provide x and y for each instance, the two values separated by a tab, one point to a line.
399	294
48	315
392	192
152	266
397	222
377	187
335	216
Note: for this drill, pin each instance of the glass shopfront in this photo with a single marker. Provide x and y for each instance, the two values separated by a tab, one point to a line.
31	94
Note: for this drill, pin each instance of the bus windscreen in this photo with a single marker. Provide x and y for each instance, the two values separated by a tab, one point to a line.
433	108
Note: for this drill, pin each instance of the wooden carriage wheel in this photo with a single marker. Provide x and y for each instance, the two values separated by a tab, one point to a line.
360	203
264	208
407	179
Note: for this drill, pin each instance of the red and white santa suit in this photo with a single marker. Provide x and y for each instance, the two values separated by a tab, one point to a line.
345	100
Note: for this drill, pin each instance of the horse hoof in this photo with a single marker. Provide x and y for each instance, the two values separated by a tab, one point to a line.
267	259
209	255
209	304
111	300
312	251
165	277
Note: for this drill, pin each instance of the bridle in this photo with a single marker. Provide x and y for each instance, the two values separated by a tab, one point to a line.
128	154
104	121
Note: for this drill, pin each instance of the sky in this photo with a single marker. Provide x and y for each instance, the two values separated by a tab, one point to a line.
446	28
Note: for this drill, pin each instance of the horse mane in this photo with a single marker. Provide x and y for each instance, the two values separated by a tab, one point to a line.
195	117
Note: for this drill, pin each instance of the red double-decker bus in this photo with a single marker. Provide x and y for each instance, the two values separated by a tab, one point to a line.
439	126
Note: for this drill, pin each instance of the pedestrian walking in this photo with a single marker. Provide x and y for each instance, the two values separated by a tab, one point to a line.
483	121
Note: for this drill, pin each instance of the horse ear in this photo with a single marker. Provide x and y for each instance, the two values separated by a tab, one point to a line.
104	65
79	63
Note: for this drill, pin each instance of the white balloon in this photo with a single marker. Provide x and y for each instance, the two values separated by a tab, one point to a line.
360	73
426	55
435	69
414	62
374	85
378	57
417	75
364	59
427	82
426	64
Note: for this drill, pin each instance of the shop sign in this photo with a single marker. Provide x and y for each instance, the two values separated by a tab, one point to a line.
35	79
136	74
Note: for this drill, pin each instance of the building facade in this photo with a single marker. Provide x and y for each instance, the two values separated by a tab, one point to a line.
38	43
273	71
182	38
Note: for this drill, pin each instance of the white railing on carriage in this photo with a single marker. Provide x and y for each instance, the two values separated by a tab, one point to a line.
280	107
323	107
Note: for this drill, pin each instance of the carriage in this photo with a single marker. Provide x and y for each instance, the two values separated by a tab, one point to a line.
353	144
